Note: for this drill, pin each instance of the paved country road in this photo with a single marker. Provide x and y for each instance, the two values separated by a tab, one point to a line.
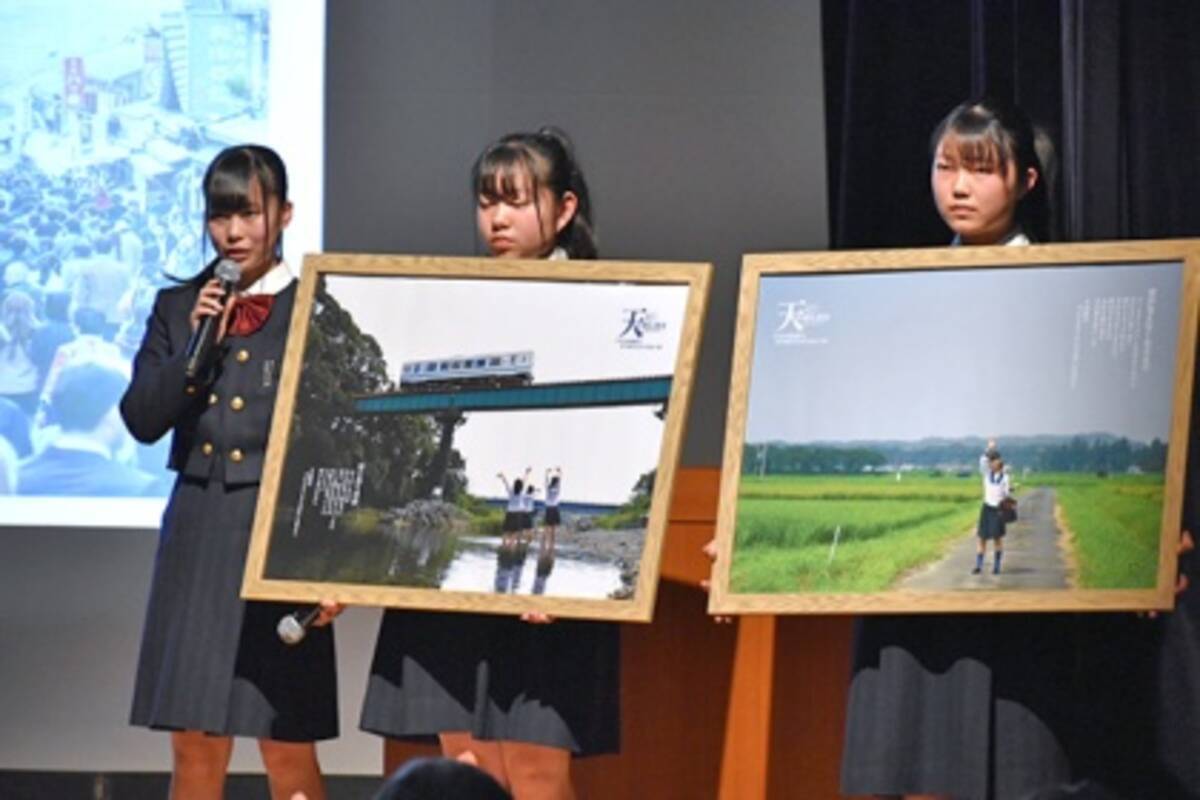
1034	554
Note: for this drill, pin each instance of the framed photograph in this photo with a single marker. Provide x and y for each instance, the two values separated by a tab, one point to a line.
478	435
960	429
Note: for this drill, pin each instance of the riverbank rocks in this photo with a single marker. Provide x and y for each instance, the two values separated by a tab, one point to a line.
629	576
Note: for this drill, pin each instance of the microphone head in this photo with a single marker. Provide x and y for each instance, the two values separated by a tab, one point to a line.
290	630
228	271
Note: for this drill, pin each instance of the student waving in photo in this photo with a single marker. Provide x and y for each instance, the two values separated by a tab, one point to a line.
996	492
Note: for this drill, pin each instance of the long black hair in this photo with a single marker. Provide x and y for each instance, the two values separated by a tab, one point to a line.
226	188
548	158
990	131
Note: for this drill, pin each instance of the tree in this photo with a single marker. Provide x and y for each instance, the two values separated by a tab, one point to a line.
341	363
644	486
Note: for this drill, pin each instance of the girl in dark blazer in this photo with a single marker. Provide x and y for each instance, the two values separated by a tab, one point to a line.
211	666
516	698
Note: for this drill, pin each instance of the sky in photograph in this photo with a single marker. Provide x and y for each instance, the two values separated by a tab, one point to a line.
980	352
574	330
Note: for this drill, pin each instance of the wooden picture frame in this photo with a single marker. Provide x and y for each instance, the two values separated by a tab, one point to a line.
417	390
865	387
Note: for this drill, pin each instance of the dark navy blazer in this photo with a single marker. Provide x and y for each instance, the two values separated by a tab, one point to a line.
221	420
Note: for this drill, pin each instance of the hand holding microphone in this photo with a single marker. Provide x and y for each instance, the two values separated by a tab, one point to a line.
292	628
210	315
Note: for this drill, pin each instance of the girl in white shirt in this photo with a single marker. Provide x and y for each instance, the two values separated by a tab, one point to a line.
991	526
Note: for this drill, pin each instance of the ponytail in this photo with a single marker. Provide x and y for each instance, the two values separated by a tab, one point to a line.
578	237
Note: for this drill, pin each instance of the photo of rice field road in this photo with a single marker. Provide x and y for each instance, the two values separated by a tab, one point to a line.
971	433
913	525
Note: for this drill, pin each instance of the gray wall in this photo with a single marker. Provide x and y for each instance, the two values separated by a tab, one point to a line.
700	126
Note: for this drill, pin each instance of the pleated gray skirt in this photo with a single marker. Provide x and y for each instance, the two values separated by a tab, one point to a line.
977	707
211	662
496	678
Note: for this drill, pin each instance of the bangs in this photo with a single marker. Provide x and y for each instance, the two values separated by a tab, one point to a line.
228	192
503	171
229	181
976	150
977	139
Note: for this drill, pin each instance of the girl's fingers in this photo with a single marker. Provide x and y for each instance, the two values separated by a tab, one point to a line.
330	609
209	302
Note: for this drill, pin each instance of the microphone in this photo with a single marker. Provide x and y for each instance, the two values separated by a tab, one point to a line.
200	346
294	627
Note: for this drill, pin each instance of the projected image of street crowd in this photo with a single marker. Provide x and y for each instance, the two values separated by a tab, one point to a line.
103	141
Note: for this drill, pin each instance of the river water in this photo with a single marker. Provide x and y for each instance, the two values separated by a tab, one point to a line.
478	564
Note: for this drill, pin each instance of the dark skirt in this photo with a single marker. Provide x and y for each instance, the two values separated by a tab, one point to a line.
991	524
1175	678
512	521
972	706
552	516
210	661
497	678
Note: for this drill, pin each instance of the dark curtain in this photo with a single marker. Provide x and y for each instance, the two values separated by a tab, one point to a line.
1116	85
1131	86
893	69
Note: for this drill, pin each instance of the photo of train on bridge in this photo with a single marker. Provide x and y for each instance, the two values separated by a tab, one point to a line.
478	435
490	369
964	429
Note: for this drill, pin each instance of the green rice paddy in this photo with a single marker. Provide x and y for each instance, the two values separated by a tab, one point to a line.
860	533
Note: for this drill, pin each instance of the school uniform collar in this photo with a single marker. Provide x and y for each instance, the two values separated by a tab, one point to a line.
558	254
1014	238
274	281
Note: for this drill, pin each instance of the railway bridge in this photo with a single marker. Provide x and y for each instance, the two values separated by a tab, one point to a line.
450	406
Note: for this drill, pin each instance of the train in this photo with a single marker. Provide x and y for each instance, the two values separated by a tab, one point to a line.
455	372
